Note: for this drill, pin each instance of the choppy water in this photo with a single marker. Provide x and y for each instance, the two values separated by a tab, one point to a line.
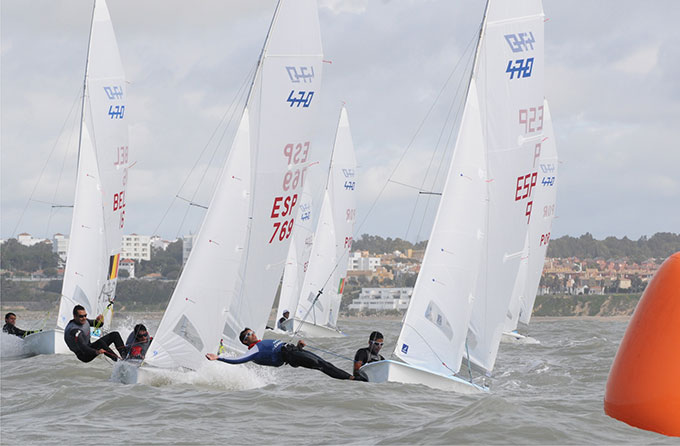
542	394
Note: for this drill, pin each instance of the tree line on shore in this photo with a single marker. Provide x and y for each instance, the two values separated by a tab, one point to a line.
659	246
154	294
16	258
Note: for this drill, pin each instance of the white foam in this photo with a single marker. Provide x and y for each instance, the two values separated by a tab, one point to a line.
211	374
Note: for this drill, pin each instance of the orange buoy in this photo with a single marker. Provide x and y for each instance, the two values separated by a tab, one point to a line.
643	388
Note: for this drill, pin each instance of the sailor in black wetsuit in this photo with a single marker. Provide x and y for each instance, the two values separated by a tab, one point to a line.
77	338
10	320
275	353
368	354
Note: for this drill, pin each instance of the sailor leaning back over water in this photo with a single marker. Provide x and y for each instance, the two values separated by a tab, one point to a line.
275	353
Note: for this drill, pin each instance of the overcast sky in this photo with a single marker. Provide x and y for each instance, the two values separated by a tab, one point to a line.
612	71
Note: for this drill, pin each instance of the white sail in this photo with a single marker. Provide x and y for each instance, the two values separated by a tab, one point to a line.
509	77
435	326
232	273
299	251
540	226
541	223
99	206
333	237
518	290
193	321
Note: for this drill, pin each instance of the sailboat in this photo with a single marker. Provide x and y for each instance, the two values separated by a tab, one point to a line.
230	278
473	256
319	299
99	206
537	238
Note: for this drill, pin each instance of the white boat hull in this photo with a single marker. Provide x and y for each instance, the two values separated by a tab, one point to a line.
308	330
393	371
278	334
48	342
517	338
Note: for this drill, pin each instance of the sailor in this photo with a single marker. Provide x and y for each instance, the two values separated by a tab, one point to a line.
368	354
275	353
77	337
282	324
138	342
11	328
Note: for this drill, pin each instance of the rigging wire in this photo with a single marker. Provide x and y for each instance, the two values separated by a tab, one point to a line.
441	163
228	117
47	162
229	111
56	187
413	138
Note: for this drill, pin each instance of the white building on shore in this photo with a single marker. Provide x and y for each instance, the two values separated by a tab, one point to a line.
382	299
360	261
60	245
27	239
187	244
136	247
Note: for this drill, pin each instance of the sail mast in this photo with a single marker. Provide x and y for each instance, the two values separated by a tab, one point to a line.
254	157
82	102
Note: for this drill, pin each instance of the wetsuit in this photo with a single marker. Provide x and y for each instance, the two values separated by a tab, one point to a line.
275	353
365	355
11	329
136	349
77	338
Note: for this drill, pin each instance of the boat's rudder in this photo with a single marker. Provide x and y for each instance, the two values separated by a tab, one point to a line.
642	388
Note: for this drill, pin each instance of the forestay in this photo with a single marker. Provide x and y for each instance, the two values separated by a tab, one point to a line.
99	206
333	237
232	273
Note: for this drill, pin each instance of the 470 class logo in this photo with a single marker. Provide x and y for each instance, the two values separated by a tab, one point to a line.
519	43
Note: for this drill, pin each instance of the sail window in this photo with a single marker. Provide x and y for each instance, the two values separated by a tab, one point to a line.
185	329
436	316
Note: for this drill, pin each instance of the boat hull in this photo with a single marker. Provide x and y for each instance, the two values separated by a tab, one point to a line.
516	338
278	334
308	330
393	371
48	342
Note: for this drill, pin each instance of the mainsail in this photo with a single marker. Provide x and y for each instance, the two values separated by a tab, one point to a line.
231	275
509	78
333	236
540	226
103	156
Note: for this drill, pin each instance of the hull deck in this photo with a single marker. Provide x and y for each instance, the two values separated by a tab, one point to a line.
394	371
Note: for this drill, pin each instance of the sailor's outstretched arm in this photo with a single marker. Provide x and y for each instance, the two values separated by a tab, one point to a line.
240	360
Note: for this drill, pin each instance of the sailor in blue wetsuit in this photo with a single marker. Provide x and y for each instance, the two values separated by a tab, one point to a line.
275	353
